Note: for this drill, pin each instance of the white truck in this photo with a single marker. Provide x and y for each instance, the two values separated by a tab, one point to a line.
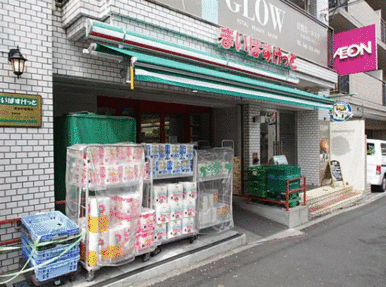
376	163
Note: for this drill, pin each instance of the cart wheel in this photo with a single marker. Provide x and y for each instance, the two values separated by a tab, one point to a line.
156	251
90	275
192	239
70	277
57	282
146	257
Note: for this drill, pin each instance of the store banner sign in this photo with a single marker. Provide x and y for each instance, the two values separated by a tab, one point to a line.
18	110
253	47
355	51
273	22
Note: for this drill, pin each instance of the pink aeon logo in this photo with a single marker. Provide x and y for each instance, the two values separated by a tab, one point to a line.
355	51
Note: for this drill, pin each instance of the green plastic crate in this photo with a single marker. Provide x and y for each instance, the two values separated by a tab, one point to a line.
257	192
257	184
258	173
292	196
286	170
278	183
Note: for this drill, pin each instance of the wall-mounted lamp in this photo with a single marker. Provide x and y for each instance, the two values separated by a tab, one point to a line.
17	60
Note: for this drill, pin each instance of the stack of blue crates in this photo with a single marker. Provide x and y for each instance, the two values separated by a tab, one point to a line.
50	227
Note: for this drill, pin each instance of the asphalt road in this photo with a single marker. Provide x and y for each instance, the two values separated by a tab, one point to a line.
345	250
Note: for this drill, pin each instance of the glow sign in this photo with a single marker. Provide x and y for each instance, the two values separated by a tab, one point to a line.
355	51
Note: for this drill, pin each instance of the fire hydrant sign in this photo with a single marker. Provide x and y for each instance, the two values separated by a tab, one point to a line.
18	110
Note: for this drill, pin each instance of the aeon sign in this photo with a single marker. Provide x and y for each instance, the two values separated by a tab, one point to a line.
355	51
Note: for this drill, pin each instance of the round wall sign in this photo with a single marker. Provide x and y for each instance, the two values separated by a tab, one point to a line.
341	111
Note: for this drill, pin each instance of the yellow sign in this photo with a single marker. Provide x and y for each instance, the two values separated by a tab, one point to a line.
18	110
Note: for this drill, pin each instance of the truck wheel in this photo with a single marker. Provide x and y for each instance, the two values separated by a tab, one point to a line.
383	184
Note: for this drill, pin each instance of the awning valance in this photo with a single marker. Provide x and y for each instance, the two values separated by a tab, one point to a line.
155	69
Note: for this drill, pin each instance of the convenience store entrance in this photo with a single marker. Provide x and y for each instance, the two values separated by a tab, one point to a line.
277	135
160	122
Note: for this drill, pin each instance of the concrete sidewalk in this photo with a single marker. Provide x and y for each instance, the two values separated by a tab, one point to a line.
177	257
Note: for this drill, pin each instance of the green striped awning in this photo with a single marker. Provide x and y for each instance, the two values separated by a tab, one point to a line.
156	69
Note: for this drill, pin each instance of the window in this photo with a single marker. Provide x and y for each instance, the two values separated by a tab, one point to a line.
303	4
338	4
384	93
150	128
174	128
344	84
370	149
383	148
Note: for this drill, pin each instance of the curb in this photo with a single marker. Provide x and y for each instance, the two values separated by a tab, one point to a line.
368	198
173	266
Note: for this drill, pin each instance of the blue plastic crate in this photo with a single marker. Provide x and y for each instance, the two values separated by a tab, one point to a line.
50	225
43	255
56	269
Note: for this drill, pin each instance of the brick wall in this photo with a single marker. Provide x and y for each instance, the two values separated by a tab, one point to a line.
26	154
308	145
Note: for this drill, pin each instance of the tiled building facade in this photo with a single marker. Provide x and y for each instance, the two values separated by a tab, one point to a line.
26	154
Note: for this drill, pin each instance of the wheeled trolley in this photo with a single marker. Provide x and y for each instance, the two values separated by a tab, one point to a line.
104	185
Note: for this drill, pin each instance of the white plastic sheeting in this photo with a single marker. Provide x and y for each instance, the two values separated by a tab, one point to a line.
214	181
104	185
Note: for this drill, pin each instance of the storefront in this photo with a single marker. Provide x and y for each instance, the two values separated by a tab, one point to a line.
164	66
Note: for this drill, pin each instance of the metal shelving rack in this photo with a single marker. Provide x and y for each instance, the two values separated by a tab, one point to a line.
214	185
174	178
89	178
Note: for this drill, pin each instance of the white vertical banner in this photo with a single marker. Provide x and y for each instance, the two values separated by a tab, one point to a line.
348	146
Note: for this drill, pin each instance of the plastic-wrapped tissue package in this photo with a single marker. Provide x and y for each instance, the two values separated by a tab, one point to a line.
106	165
175	193
171	159
160	232
145	233
112	226
179	199
174	229
188	225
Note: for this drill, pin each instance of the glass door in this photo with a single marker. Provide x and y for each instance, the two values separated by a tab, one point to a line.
269	143
278	136
150	128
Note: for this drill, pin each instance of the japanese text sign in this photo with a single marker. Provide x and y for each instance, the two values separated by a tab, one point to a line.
275	22
254	48
20	110
355	51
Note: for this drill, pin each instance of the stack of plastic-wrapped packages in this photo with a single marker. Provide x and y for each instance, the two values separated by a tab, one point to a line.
170	159
112	175
144	240
175	209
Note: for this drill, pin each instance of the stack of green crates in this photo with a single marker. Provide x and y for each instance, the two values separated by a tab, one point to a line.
257	180
277	179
